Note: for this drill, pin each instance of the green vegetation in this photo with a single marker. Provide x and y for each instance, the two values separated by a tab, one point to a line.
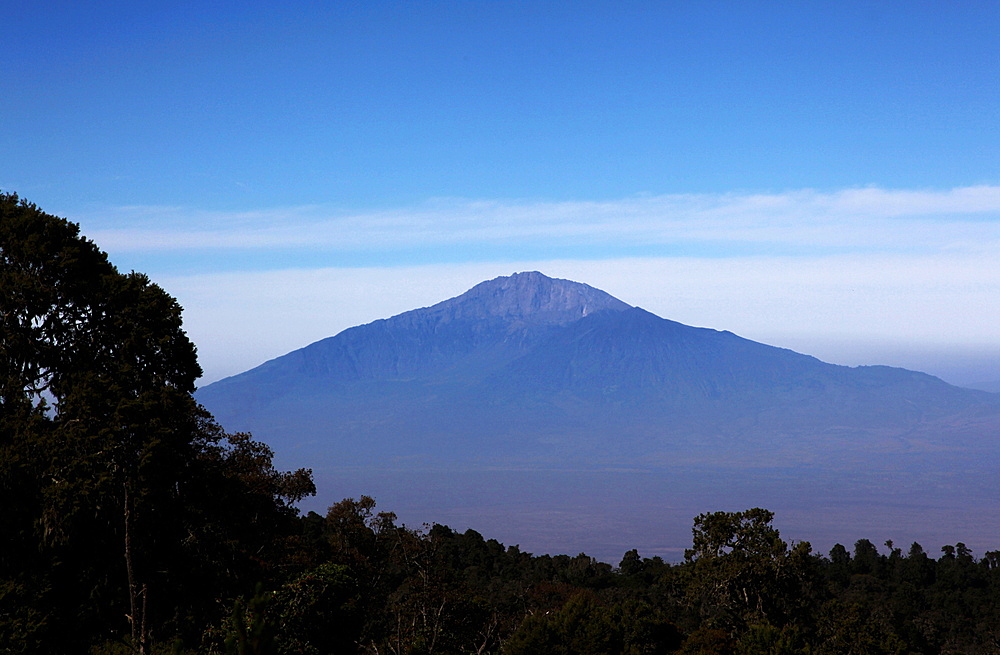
132	523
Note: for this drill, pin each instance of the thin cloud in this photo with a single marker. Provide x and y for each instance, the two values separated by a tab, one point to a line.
870	218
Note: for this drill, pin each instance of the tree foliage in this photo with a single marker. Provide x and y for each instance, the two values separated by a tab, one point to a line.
109	470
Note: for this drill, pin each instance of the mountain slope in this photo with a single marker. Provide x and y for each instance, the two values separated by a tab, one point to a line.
537	371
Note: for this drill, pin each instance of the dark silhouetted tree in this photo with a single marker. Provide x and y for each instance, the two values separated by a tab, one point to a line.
108	467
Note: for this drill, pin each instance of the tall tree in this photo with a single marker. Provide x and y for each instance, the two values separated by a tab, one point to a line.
743	573
105	457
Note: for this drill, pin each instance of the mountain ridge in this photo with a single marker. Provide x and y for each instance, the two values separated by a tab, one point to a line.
555	368
502	305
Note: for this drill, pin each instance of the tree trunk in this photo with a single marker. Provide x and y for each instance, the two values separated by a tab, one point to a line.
137	605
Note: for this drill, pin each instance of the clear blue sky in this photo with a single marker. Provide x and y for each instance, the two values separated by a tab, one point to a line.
820	175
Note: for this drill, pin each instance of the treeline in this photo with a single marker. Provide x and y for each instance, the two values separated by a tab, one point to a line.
371	586
131	523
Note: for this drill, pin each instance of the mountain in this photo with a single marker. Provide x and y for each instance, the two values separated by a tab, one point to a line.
528	371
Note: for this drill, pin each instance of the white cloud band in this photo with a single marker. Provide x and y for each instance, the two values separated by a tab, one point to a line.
963	218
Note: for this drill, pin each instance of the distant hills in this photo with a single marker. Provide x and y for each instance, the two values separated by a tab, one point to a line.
529	371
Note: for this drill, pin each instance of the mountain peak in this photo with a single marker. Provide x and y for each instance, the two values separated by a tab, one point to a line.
530	296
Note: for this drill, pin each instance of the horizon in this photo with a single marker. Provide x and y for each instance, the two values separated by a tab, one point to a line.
822	178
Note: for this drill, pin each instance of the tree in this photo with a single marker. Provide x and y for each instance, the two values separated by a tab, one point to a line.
734	556
77	375
105	457
316	612
584	626
743	573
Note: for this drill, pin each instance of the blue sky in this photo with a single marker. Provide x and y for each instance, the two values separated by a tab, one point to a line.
821	176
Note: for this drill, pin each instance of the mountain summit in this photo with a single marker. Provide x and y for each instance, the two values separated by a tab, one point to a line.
529	297
533	370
